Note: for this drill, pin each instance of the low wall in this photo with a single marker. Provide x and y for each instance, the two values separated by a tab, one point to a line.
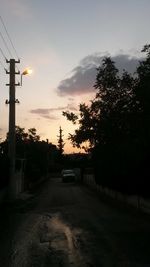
3	193
133	200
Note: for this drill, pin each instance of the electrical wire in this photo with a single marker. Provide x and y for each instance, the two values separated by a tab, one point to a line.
6	44
2	65
8	35
2	53
7	49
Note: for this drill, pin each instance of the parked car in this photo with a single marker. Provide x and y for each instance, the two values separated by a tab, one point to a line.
68	175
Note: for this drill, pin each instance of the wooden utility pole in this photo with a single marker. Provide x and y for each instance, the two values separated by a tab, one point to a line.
11	135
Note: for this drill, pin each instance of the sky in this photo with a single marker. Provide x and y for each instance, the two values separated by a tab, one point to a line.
63	41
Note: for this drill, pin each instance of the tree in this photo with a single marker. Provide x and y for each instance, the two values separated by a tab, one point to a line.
35	153
85	132
143	92
32	135
60	142
108	124
117	126
103	118
143	97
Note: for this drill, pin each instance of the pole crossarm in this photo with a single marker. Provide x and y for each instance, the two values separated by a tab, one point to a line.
8	72
7	102
16	61
16	84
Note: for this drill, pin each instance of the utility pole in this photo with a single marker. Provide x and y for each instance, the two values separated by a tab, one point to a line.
11	135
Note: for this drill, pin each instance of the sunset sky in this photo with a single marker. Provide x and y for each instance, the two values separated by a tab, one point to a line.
63	41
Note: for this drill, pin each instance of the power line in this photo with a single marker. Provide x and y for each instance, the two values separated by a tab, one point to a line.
2	53
9	36
2	65
7	49
4	58
4	41
6	44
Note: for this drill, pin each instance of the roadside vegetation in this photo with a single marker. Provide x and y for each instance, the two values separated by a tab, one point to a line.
116	125
34	158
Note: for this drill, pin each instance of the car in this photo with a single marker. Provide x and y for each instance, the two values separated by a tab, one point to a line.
68	175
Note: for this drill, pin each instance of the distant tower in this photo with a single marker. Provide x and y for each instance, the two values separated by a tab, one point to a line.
60	142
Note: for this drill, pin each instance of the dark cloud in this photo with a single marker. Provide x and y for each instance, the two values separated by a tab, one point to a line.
49	117
44	113
71	99
83	76
41	111
47	113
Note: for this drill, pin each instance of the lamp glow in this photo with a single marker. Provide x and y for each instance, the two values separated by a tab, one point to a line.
27	71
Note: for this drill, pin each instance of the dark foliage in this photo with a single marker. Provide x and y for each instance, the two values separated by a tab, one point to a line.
117	127
61	144
38	156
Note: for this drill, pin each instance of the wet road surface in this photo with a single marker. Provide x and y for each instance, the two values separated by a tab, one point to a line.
67	225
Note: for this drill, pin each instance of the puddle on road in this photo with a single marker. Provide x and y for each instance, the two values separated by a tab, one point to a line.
66	239
51	242
61	228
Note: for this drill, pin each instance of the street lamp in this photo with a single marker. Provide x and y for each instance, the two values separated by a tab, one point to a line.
25	72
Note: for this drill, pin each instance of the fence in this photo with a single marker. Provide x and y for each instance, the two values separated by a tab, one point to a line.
132	200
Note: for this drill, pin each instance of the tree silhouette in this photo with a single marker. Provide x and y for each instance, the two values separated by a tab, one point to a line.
60	142
117	126
36	154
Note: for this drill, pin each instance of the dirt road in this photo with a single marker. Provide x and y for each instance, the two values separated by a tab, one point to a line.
67	225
